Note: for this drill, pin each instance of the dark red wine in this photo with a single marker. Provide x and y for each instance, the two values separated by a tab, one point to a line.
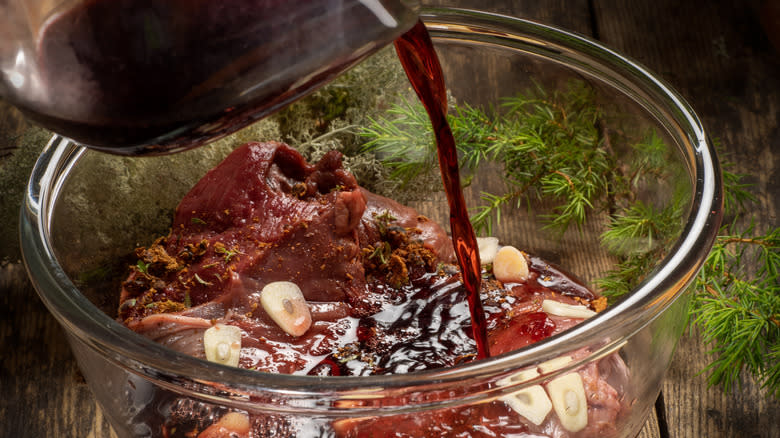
146	76
417	55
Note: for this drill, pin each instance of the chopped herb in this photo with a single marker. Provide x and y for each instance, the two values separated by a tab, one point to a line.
382	252
128	304
202	281
229	254
142	267
197	221
383	221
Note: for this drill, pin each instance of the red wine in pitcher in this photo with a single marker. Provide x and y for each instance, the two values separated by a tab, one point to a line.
149	76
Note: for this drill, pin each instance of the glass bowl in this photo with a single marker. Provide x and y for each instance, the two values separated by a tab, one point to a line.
85	212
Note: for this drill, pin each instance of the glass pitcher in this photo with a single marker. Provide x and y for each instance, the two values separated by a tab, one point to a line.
138	77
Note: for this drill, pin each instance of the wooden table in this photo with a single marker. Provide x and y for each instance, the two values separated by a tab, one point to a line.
717	54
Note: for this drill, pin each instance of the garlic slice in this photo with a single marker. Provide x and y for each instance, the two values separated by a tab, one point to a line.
488	247
510	265
568	400
532	402
520	376
222	344
556	308
284	302
554	364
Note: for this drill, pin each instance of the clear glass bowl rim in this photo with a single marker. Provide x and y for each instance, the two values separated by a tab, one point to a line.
666	284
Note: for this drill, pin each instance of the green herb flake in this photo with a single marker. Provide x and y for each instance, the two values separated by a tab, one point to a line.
383	221
382	252
202	281
142	267
229	254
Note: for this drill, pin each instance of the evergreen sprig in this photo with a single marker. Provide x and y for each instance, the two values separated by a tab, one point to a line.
736	306
405	145
548	145
736	296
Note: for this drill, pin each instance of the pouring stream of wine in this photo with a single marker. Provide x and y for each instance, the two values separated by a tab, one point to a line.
417	55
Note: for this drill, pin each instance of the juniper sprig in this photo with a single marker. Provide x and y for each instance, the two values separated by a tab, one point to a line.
548	145
736	306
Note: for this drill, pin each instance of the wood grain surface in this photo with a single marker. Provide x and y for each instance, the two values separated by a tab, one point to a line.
718	55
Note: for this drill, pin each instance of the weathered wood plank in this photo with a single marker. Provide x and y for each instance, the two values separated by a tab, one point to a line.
43	393
716	55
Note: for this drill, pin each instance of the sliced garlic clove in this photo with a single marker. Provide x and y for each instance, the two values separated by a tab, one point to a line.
222	344
520	376
554	364
532	403
488	248
284	302
567	394
510	265
556	308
